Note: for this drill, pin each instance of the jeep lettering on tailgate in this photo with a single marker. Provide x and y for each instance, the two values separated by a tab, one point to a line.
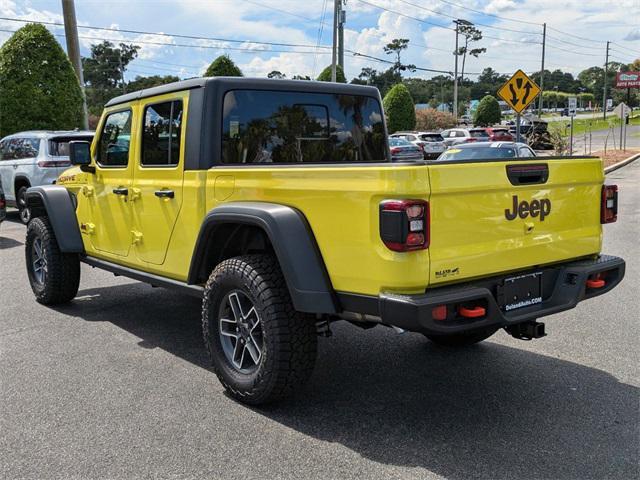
523	209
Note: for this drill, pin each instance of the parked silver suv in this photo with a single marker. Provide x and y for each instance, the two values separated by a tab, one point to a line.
29	159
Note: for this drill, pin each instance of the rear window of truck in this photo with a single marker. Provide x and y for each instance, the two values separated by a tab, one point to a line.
298	127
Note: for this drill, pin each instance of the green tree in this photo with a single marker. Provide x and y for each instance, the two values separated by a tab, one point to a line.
396	47
488	112
141	83
104	73
325	75
276	74
399	109
383	81
38	87
223	66
470	34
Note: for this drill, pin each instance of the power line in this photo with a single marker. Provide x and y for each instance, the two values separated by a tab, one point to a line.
406	16
489	14
280	10
573	51
173	35
475	23
600	42
319	38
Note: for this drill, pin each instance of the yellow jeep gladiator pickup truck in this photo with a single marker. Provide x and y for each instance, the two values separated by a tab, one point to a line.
277	203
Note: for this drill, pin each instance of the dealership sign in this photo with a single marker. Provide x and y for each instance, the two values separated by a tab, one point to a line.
628	80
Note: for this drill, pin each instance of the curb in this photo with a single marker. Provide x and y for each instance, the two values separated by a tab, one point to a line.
621	164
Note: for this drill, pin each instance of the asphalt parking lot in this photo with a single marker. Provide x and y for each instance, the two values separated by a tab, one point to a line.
116	385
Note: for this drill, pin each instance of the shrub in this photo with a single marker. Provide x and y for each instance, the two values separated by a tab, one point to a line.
223	66
38	86
325	75
432	119
399	109
488	112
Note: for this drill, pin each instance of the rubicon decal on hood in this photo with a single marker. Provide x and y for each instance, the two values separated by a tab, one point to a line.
523	209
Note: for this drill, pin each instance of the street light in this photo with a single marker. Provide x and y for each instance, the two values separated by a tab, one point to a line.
458	22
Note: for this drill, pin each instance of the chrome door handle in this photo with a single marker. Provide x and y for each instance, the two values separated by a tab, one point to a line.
164	193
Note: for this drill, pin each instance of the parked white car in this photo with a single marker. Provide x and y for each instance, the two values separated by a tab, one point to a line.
431	143
29	159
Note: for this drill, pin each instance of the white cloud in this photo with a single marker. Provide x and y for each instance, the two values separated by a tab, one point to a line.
633	35
498	6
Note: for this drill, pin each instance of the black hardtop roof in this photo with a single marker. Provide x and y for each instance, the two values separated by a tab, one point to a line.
230	83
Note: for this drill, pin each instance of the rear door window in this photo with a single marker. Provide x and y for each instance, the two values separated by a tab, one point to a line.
299	127
161	134
59	147
479	133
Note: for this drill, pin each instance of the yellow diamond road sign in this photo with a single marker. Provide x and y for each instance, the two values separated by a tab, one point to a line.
519	91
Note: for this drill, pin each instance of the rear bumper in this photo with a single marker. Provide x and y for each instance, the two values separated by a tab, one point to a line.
563	287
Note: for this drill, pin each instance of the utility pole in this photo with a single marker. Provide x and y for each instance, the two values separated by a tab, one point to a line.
334	50
604	87
342	19
73	50
544	44
124	87
455	77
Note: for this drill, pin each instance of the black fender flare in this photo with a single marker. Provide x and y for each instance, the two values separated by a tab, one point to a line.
55	202
293	242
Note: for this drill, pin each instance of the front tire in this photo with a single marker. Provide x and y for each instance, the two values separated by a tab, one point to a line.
462	339
54	276
23	209
261	349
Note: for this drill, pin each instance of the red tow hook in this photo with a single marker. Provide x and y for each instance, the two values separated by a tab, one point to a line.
475	312
596	282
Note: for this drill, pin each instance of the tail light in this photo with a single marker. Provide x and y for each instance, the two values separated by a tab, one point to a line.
609	205
421	146
3	203
395	150
404	224
54	163
471	139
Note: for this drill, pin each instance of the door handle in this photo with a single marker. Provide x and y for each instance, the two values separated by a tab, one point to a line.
164	193
121	191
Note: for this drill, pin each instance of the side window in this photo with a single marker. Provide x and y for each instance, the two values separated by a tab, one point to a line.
262	126
161	134
19	148
460	133
115	137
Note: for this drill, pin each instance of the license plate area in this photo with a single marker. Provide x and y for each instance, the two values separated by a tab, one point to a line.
520	291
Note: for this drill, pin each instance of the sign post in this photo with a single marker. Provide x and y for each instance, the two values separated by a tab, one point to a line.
519	92
573	102
623	111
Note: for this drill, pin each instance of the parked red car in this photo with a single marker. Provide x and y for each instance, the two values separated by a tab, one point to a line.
499	134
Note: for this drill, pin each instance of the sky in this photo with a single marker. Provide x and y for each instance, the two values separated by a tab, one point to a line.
577	31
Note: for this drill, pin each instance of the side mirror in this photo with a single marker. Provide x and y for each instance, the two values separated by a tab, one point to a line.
79	152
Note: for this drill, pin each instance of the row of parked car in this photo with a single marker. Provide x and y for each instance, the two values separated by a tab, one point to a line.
474	141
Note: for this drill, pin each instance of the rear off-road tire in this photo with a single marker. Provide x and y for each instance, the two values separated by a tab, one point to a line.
54	276
261	349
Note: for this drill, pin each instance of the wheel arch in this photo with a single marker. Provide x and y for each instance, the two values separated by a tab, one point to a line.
237	228
55	202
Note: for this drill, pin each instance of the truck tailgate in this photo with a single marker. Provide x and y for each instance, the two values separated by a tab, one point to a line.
485	221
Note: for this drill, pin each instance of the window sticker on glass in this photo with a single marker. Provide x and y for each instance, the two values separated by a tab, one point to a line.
234	128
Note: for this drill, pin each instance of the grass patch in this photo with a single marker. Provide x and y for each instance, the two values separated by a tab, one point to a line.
583	125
